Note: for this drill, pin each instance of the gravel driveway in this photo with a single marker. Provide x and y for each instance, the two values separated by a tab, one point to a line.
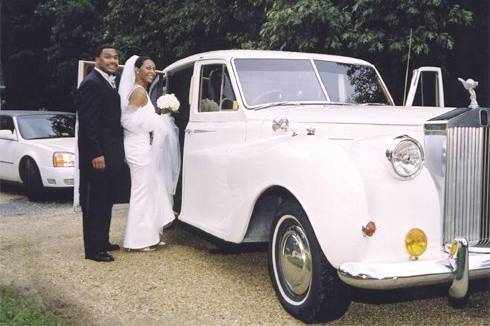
188	282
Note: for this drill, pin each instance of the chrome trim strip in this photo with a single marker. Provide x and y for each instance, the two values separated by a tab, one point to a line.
198	131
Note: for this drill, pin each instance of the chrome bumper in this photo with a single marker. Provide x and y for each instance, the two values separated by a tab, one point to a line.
458	270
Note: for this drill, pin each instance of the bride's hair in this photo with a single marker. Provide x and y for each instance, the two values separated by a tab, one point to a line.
139	62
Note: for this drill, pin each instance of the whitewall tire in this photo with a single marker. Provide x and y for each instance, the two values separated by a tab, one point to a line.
305	283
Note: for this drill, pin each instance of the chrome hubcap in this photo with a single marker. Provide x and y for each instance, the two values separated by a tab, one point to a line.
295	260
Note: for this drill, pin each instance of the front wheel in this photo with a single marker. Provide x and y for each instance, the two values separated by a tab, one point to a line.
304	281
31	177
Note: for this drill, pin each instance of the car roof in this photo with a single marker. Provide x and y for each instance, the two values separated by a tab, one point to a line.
16	113
256	54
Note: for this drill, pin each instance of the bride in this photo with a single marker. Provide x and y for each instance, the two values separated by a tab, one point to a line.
154	162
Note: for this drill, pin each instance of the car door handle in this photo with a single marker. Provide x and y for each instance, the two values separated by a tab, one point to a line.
198	131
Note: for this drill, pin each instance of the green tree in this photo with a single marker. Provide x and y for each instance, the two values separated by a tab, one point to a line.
76	28
361	26
24	37
173	29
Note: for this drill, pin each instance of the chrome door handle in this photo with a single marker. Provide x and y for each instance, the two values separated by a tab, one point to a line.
198	131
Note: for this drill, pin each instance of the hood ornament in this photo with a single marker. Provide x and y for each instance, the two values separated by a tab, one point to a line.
470	85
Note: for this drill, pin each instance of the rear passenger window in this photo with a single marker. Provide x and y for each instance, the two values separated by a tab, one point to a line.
6	123
216	92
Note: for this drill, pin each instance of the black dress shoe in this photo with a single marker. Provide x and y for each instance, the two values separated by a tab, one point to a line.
112	247
100	256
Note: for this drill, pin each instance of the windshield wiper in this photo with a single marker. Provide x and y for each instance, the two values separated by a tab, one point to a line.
282	103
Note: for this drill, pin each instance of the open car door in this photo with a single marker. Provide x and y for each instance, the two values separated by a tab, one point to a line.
426	88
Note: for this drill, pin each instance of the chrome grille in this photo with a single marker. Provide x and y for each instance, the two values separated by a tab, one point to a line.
467	186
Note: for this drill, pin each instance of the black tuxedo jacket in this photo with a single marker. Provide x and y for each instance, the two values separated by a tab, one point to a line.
99	123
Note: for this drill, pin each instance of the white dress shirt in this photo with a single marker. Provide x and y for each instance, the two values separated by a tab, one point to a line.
110	79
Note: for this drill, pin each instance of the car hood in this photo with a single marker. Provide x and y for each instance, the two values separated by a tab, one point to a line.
66	144
347	123
370	115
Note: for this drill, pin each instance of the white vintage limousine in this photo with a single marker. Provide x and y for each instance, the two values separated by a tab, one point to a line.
309	153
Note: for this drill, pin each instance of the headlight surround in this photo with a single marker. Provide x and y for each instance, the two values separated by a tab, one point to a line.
63	159
406	156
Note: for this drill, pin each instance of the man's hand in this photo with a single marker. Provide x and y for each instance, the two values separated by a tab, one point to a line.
98	163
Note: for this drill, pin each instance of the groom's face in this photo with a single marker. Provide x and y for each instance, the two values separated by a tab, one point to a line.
108	60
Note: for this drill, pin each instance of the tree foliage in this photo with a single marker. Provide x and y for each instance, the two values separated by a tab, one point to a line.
24	37
362	26
48	37
180	27
75	28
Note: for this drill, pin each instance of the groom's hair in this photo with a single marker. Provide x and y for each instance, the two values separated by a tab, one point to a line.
100	48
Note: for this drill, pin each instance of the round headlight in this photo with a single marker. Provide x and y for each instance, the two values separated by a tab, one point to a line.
416	242
406	156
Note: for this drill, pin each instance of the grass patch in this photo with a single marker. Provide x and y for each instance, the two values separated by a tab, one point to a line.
16	309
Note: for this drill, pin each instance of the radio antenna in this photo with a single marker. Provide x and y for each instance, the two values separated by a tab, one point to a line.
408	64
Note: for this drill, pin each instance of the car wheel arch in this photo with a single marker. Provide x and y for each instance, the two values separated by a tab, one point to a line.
265	206
22	163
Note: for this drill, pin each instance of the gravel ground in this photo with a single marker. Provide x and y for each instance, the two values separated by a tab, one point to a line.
188	282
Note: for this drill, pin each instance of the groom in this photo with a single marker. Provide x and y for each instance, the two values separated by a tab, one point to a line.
101	152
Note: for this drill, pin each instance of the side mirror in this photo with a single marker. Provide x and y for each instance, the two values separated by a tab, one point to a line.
7	134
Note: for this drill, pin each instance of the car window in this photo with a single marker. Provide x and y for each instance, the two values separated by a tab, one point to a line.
41	126
274	80
351	83
216	92
6	123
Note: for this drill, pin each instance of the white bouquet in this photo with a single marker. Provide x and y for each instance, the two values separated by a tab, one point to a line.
168	103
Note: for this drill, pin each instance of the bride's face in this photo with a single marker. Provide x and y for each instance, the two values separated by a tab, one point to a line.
147	71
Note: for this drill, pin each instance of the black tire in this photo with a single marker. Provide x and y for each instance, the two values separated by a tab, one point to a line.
326	297
31	177
458	303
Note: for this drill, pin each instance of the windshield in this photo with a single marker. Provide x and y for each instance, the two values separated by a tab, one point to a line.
278	80
349	83
40	126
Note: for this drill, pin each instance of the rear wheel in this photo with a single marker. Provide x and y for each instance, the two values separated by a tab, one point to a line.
306	284
31	177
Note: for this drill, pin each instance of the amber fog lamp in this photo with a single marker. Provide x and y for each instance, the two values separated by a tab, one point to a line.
453	250
416	243
369	229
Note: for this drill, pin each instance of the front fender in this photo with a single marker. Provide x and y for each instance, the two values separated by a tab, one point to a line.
395	205
318	172
40	155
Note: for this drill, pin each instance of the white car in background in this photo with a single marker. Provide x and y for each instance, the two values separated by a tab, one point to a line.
37	149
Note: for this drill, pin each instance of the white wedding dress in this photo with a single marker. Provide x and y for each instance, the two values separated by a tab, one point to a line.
152	181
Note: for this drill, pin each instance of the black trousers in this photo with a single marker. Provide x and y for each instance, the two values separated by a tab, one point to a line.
96	200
